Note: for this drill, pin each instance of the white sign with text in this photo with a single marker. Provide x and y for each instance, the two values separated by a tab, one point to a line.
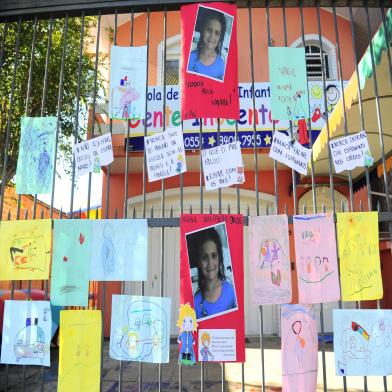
223	166
165	154
291	153
351	151
91	154
217	345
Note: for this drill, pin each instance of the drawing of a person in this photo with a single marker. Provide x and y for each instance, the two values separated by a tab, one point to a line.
205	353
300	343
269	255
187	325
108	250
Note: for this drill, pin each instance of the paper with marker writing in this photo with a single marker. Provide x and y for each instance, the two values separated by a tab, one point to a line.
119	250
293	155
358	244
223	166
289	86
351	151
140	328
315	257
71	262
91	154
299	348
270	269
26	333
25	247
165	154
209	89
362	342
80	351
128	79
34	172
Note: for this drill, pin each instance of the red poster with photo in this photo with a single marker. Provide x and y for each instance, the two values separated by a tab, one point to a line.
209	66
212	282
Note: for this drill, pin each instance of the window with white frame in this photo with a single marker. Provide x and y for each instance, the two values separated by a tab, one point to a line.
173	51
316	58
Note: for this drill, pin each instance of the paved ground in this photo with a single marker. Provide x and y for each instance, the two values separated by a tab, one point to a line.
191	376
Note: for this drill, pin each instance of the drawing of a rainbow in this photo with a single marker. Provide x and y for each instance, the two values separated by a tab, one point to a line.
358	328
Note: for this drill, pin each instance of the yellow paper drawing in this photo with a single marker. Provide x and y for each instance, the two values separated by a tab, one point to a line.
360	273
25	248
80	351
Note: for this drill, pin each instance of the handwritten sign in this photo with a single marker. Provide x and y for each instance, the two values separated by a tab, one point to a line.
165	155
315	256
351	151
293	155
128	79
217	345
92	154
223	166
362	342
289	88
360	273
209	70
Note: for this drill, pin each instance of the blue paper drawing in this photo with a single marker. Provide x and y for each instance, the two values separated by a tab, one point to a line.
140	329
119	250
362	342
34	171
26	333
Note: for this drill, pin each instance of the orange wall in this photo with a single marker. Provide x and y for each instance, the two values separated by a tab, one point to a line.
259	35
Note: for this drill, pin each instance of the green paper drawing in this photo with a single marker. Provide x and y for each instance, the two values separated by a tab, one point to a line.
71	262
289	90
37	145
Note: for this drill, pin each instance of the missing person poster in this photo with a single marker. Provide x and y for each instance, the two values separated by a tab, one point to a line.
209	70
212	274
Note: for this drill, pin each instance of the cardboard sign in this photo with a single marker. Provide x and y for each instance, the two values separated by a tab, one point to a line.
219	239
362	342
165	154
270	269
315	257
360	271
217	345
299	348
209	66
293	155
351	151
92	154
34	172
289	85
128	79
140	329
223	166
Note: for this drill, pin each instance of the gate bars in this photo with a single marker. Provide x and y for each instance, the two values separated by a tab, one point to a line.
150	8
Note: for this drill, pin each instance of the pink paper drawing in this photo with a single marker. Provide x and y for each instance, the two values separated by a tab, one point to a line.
316	261
270	273
299	348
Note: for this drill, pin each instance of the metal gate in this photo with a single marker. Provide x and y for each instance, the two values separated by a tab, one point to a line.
43	43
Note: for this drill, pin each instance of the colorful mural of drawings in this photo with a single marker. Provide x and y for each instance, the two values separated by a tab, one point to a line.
362	342
119	249
316	258
71	262
26	333
80	351
269	259
34	171
25	249
299	348
140	329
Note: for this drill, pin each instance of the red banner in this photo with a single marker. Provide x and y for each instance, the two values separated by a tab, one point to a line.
209	66
212	275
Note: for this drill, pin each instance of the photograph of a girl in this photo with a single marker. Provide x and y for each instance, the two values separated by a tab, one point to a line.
211	272
210	43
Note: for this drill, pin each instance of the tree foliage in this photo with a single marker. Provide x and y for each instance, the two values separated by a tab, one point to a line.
9	35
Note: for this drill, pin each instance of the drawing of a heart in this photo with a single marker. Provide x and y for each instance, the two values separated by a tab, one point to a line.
81	238
65	259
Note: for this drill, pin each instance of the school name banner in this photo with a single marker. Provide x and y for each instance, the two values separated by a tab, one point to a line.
157	113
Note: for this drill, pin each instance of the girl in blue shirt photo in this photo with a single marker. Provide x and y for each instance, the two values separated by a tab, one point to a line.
207	58
215	294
